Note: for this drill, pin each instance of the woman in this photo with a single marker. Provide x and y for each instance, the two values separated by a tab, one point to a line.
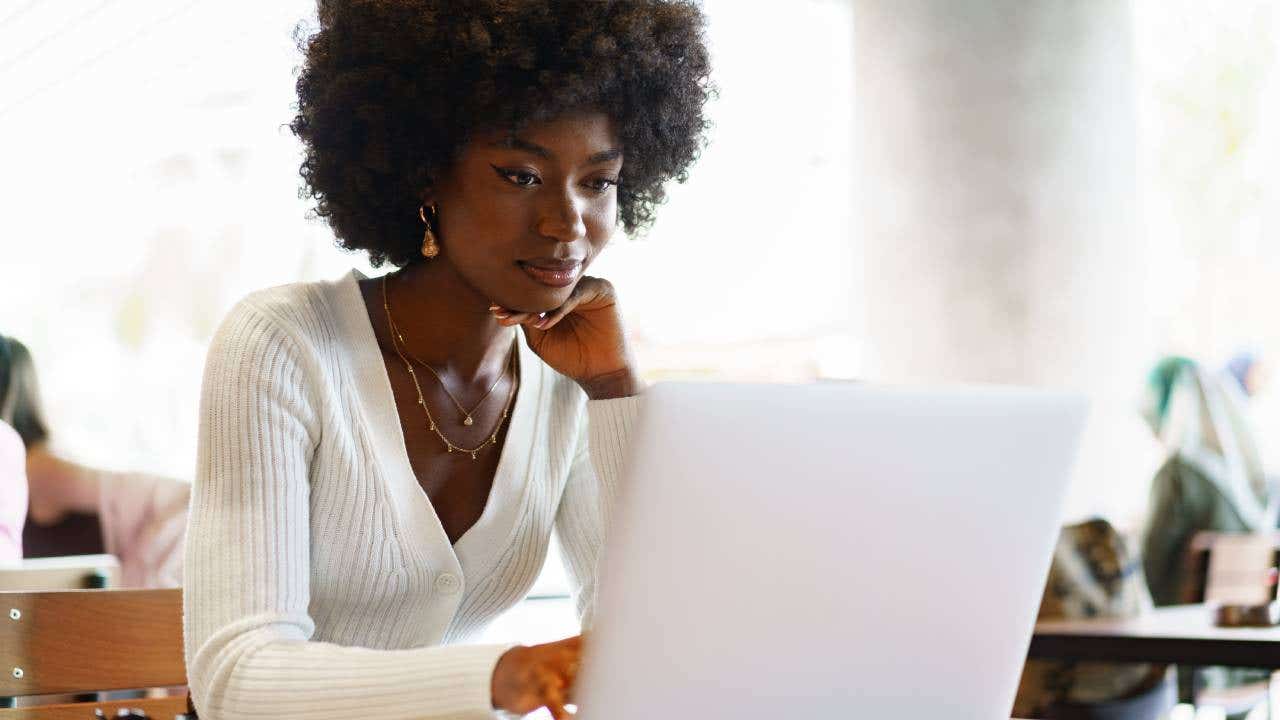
382	461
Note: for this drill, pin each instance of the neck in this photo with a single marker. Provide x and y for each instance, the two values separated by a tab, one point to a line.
445	322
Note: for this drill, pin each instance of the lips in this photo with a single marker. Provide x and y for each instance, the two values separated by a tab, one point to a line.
552	272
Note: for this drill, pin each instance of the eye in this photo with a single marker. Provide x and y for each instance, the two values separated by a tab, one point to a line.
602	184
517	176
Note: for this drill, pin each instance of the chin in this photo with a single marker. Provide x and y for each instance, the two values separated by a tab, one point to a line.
540	302
525	295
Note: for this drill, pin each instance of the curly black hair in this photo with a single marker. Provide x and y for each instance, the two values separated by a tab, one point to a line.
391	90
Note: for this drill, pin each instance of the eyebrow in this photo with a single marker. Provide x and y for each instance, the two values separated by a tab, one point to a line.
515	143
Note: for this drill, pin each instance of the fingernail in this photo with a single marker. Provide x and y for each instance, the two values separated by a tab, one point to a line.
494	308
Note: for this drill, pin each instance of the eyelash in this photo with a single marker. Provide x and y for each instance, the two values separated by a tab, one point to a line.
509	174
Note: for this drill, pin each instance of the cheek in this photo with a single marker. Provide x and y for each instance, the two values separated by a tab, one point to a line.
601	224
483	237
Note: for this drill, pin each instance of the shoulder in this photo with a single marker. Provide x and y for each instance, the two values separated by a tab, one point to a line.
300	316
303	308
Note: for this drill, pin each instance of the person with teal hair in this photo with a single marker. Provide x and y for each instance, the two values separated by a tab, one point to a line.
1211	480
1212	477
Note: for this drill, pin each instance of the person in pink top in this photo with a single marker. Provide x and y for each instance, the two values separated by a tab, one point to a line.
13	493
142	517
16	423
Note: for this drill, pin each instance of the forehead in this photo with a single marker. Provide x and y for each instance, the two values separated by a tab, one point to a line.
570	138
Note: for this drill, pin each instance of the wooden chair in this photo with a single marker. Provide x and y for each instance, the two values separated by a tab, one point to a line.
78	641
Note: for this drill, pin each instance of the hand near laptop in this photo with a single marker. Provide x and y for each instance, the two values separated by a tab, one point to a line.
582	339
528	678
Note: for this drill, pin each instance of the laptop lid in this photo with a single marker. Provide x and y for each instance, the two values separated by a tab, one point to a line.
828	550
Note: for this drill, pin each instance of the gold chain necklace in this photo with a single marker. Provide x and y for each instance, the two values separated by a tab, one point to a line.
422	401
466	414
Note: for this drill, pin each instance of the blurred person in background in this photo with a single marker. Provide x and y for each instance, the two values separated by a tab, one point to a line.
1212	478
1250	377
1248	371
13	493
13	472
75	509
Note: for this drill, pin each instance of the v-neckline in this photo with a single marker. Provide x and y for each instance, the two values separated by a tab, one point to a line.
391	452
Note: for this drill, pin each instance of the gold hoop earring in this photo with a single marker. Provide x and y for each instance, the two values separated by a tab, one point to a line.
430	248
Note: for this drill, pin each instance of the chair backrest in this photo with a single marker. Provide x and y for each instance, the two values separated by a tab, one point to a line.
72	572
1198	553
86	641
163	708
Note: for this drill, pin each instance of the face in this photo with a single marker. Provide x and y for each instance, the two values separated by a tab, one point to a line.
521	217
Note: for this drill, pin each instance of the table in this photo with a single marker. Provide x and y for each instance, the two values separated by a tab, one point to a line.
1182	635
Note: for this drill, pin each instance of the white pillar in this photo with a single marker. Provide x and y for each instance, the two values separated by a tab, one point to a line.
997	200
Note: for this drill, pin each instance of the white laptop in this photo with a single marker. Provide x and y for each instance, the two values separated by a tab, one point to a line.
828	551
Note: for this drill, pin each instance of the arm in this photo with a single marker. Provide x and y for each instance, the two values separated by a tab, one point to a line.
590	495
247	628
59	487
584	340
144	519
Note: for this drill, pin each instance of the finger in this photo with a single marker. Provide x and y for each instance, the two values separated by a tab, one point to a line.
544	687
579	295
570	664
508	317
513	319
571	692
555	316
593	291
555	702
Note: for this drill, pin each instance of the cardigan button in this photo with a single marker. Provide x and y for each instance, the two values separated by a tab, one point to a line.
447	583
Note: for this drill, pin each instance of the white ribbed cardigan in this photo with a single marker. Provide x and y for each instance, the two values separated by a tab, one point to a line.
319	581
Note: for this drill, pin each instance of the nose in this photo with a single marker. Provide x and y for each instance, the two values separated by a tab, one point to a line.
561	218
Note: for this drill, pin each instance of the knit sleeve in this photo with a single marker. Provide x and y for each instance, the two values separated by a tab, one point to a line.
247	628
590	495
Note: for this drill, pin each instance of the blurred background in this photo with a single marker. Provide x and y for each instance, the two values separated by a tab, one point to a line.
1055	194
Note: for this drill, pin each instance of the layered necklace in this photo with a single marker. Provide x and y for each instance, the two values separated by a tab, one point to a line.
402	351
